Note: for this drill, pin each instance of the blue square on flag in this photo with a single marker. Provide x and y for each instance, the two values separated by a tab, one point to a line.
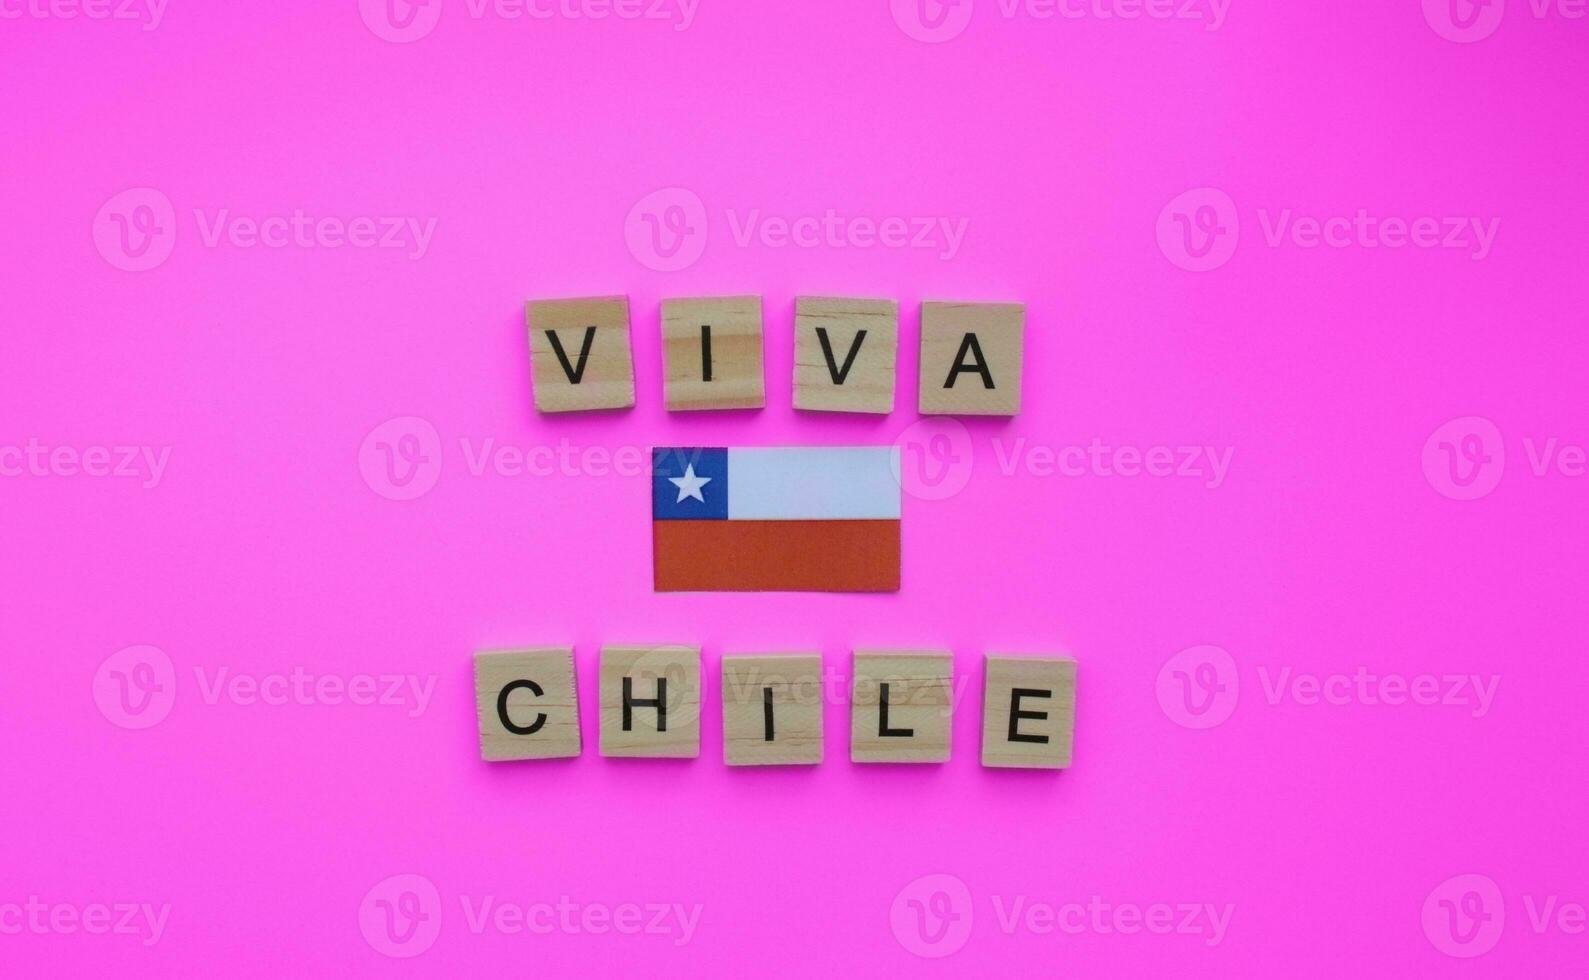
689	484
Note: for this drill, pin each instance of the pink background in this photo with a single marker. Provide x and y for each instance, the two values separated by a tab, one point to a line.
270	541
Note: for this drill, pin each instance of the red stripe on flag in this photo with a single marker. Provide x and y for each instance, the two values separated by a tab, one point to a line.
776	556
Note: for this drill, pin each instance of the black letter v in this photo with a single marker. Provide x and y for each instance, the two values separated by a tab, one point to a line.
574	374
839	373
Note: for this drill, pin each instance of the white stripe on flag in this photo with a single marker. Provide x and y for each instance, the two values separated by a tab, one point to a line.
813	483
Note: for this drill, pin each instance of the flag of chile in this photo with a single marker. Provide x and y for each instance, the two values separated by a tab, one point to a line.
791	519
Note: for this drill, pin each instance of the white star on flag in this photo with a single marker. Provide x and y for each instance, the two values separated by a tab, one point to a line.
689	484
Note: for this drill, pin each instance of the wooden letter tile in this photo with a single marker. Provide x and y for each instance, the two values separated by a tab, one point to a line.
901	705
712	349
651	701
1028	712
971	358
579	354
772	710
528	706
844	354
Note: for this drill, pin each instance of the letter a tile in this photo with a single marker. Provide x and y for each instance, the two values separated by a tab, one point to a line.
971	358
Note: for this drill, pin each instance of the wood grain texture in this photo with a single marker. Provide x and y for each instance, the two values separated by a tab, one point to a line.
987	341
772	709
673	670
544	717
604	371
829	379
1042	734
917	724
733	325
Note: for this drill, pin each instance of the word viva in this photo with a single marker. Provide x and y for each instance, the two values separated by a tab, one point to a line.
844	355
649	706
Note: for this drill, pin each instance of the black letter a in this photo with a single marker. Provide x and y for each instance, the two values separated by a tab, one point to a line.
969	344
